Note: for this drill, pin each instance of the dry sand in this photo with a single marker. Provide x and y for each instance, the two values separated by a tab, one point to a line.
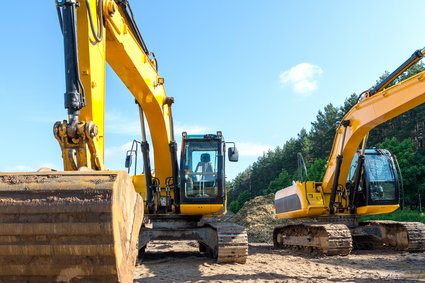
180	262
168	261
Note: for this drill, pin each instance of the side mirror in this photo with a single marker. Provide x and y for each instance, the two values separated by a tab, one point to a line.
233	154
128	161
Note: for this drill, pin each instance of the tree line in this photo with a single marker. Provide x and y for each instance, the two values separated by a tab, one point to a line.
403	136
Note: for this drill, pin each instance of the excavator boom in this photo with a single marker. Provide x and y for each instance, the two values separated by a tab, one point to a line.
366	115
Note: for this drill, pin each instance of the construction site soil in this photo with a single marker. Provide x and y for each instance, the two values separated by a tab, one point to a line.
180	261
258	217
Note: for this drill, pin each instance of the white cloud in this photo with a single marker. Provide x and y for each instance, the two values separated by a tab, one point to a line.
302	77
120	151
252	149
117	123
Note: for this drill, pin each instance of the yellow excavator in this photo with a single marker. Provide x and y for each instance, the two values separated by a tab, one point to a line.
357	182
83	224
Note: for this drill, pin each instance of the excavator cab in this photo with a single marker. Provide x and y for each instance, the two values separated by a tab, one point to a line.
378	184
202	194
202	179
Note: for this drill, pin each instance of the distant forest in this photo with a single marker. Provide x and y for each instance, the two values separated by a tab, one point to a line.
403	136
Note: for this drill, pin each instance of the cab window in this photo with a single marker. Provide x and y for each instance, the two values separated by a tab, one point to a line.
201	168
382	181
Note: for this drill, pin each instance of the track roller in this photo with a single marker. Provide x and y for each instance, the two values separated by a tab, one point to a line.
329	239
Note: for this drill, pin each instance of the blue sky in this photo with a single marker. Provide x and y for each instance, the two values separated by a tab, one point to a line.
257	70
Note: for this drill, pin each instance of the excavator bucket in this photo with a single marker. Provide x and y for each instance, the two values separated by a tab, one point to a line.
68	227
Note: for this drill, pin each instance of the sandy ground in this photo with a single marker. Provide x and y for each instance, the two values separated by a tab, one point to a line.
168	261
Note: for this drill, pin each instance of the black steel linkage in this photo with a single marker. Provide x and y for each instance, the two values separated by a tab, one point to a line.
150	187
74	95
357	176
173	152
339	159
416	57
133	26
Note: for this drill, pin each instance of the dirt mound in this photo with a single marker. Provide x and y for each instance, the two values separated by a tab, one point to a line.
258	216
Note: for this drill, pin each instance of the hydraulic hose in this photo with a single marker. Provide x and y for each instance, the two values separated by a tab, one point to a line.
99	34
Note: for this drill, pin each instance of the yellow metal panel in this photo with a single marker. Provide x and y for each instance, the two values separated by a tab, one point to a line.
376	209
309	211
91	58
139	182
201	209
311	200
138	73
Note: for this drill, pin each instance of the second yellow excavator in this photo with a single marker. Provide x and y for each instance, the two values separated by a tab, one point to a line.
356	182
83	224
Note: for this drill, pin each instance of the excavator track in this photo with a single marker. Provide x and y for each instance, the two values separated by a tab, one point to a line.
225	242
68	227
232	243
329	239
406	236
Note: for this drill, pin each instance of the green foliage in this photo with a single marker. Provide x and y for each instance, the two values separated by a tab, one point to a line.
348	104
237	204
398	215
282	181
243	197
322	132
233	206
317	170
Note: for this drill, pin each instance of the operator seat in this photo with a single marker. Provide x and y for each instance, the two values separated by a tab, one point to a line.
205	166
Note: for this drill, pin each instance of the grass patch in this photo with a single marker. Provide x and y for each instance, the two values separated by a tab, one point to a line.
399	215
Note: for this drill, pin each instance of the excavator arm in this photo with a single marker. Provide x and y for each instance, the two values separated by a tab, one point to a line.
374	109
105	31
113	38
